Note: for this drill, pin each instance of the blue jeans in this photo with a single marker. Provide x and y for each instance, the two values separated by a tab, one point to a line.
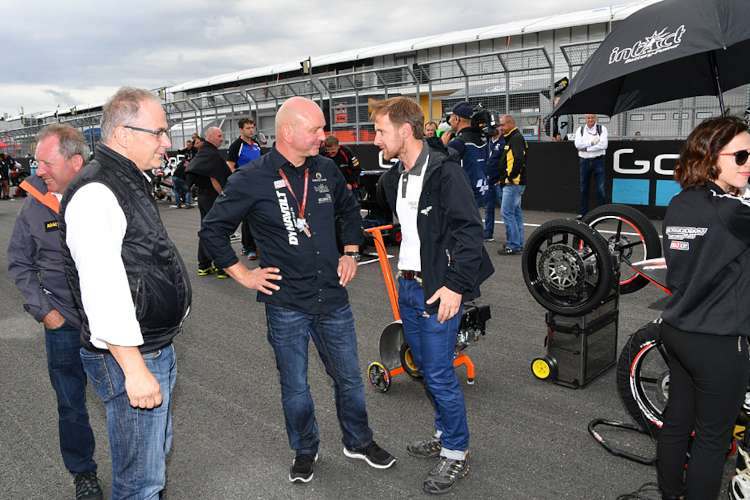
512	215
493	193
139	440
180	186
69	382
334	336
589	166
432	346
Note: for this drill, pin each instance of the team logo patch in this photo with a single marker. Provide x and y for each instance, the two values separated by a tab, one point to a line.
685	233
325	199
278	184
323	188
679	245
51	226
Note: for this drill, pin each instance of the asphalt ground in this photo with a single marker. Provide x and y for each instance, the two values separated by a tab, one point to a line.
529	437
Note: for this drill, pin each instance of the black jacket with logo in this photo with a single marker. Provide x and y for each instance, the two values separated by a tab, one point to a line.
156	274
308	264
706	245
451	233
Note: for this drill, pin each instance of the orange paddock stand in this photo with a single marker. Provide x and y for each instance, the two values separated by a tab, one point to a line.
394	351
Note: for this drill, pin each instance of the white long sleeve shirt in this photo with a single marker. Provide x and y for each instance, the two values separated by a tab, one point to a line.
96	227
586	136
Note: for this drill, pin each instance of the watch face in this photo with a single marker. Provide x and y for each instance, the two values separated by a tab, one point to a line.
354	255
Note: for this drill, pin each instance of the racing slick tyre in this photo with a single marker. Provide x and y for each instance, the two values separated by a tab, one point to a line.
643	377
407	361
631	234
567	267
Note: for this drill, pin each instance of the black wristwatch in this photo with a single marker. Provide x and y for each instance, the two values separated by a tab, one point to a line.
354	255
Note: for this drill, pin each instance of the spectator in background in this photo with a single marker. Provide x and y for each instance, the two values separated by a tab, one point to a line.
209	172
495	181
179	181
5	166
189	151
591	141
344	158
513	170
472	150
430	129
243	151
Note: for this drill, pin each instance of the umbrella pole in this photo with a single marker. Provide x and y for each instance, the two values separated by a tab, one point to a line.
719	93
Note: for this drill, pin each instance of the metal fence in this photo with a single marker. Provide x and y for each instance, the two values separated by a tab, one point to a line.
518	82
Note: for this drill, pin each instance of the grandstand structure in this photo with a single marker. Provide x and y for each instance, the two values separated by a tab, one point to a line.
510	67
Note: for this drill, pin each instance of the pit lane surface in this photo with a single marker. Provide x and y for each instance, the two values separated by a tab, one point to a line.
528	437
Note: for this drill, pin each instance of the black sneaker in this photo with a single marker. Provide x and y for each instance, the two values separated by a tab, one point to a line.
372	454
302	468
429	448
443	477
508	251
87	486
222	275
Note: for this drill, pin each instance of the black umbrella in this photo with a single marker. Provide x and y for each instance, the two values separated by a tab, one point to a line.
669	50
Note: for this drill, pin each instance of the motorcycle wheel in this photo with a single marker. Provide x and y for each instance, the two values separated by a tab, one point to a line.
631	234
643	377
567	267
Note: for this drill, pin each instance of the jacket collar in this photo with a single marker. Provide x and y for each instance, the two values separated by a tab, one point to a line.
279	161
114	161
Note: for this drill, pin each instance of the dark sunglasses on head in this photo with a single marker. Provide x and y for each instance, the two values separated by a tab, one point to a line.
740	157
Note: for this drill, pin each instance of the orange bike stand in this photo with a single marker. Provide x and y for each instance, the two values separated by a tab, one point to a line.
393	348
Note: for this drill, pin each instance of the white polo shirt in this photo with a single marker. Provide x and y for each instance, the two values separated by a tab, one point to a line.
407	208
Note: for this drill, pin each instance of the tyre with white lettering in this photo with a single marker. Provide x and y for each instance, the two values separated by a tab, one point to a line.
630	233
643	377
567	267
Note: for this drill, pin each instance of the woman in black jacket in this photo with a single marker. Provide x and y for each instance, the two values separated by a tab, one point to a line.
707	320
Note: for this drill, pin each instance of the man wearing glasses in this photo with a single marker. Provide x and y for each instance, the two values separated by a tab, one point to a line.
131	288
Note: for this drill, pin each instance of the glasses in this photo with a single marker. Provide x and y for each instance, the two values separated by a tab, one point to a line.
740	157
158	133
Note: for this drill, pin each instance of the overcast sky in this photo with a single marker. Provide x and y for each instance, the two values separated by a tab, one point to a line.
78	51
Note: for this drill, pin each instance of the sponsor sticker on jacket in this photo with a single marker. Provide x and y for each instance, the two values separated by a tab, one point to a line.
679	245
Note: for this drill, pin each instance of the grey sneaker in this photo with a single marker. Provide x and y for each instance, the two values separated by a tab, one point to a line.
429	448
302	468
443	477
87	486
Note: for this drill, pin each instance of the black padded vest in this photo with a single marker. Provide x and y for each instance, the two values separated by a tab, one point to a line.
156	273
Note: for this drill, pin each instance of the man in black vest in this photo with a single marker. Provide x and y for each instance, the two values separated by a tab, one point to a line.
131	289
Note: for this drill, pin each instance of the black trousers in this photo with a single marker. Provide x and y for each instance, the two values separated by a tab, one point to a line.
248	242
708	376
206	199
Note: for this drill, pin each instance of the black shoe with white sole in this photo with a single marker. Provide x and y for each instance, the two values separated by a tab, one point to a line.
374	455
302	468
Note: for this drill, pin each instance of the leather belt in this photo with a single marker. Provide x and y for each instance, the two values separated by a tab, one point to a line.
411	275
